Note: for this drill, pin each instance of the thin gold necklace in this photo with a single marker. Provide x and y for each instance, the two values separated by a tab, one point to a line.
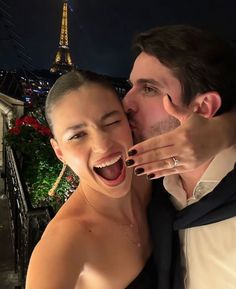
124	228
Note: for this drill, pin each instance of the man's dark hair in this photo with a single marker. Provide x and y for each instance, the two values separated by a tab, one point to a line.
200	60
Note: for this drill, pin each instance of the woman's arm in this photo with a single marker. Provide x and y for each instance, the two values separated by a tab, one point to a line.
54	263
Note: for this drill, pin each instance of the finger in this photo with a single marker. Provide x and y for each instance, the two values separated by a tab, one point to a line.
167	164
164	173
181	113
167	172
151	156
161	141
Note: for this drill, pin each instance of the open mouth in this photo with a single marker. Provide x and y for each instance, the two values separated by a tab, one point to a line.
111	171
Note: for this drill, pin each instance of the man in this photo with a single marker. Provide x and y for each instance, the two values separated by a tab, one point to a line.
197	71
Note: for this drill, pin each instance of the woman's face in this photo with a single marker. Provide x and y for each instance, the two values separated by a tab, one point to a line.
92	136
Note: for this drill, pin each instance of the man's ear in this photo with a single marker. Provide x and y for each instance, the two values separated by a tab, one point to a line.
207	104
56	149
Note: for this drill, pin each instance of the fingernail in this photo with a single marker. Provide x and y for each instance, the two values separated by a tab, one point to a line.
132	153
169	97
129	163
150	176
139	171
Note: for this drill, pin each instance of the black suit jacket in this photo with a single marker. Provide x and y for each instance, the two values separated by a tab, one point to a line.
165	221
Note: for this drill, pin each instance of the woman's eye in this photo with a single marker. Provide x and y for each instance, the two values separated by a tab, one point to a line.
113	123
77	136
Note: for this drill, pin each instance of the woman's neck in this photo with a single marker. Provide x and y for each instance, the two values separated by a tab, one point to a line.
119	209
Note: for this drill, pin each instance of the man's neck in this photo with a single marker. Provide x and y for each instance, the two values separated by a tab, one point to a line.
190	179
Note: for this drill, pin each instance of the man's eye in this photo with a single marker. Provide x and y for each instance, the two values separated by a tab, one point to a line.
148	89
152	90
113	123
77	136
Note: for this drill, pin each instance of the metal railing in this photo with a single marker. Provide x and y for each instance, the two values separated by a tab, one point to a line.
27	223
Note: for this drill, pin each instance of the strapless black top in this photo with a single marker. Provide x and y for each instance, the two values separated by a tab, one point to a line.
146	278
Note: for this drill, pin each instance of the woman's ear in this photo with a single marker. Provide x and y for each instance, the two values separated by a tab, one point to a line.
207	104
56	149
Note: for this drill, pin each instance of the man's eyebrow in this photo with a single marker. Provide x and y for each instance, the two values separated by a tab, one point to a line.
146	80
149	80
109	114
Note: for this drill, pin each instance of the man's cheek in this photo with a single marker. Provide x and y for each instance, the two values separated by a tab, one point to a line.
156	114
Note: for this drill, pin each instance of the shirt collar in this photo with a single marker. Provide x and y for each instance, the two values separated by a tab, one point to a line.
216	171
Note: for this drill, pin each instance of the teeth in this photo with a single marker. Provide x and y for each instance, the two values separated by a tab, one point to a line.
108	163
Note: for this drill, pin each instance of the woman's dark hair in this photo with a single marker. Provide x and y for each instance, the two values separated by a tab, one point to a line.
198	59
69	82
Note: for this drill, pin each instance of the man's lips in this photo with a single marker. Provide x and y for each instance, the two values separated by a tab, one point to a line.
132	125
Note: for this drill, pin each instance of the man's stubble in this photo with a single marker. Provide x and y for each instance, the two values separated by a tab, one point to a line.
160	127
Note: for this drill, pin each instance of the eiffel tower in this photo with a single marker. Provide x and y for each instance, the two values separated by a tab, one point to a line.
62	62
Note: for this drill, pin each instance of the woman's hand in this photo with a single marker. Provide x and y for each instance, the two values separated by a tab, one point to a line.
195	141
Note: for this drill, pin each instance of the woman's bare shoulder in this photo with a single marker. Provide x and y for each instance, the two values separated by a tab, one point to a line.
59	257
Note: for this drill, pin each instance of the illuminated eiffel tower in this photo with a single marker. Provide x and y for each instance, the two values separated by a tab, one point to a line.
62	62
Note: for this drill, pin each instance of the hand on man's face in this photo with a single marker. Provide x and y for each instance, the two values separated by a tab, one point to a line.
176	151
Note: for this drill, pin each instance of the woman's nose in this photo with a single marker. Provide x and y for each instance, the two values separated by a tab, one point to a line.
101	143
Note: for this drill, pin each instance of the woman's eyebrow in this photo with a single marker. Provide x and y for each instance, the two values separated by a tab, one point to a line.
109	114
83	125
76	127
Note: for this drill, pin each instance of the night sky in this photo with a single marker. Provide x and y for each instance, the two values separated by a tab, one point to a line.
101	31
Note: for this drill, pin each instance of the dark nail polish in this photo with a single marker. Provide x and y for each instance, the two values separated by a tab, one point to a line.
132	153
129	163
150	176
169	97
139	171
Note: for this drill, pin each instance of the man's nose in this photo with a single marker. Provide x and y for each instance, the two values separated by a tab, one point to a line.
101	142
130	103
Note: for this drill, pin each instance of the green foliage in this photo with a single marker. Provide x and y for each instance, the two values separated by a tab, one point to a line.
30	138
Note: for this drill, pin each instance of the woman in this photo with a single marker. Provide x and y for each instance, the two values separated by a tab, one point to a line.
99	238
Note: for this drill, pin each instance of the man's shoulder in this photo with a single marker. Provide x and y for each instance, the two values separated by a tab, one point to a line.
160	205
159	193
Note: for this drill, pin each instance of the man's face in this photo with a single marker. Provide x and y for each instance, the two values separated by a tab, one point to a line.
150	81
